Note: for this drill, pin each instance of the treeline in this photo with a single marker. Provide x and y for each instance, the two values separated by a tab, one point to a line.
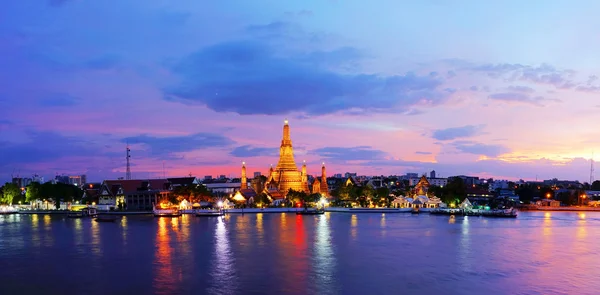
13	194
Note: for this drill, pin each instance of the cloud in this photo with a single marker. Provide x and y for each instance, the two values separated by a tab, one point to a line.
456	132
518	97
523	89
343	154
543	74
422	153
161	146
59	100
489	150
44	146
247	151
526	169
251	77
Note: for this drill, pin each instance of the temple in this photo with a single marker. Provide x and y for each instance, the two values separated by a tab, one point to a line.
286	175
283	177
420	197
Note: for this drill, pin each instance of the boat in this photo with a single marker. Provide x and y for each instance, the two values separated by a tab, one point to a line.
310	212
105	218
166	212
85	212
503	213
209	213
5	210
415	210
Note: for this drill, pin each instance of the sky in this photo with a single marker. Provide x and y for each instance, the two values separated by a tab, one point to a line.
503	89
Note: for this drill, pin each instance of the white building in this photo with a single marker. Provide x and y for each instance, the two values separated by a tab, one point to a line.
226	188
498	184
441	182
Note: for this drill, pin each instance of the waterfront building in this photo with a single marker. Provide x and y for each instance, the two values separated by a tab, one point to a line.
133	194
420	197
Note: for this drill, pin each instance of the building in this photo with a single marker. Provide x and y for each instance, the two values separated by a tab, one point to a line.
498	185
468	180
420	197
257	174
548	203
286	175
133	194
320	185
225	188
432	174
183	181
441	182
78	180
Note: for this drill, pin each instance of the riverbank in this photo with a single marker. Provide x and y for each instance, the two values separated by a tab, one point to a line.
372	210
564	209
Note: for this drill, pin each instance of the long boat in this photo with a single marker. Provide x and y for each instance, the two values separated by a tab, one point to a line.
165	212
209	213
310	212
504	213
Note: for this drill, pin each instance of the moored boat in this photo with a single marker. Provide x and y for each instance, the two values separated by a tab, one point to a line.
310	212
85	212
105	218
166	212
209	213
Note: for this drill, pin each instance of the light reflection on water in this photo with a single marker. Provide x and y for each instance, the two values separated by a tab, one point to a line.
323	260
334	253
222	269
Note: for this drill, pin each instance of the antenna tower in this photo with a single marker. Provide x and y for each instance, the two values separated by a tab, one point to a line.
128	173
592	169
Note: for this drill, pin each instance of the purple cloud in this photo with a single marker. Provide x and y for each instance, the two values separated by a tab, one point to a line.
234	76
456	132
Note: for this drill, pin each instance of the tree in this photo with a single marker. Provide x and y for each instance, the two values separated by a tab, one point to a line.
10	191
596	185
261	200
32	192
525	192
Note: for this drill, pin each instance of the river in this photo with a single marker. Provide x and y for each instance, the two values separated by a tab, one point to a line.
283	253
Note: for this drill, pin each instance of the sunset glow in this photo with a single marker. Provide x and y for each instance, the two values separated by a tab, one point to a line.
197	88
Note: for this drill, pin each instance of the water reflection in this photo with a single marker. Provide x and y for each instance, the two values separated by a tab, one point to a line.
96	246
464	249
354	226
164	280
124	231
78	235
324	259
260	230
222	269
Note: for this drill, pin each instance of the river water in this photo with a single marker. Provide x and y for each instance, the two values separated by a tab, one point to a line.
282	253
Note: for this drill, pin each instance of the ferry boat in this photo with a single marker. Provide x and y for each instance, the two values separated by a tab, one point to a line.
165	212
209	213
85	212
8	210
310	212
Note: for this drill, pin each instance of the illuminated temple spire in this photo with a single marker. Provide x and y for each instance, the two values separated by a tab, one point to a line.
286	152
324	186
244	180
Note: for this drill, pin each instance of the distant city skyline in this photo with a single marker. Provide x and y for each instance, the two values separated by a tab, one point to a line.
506	90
